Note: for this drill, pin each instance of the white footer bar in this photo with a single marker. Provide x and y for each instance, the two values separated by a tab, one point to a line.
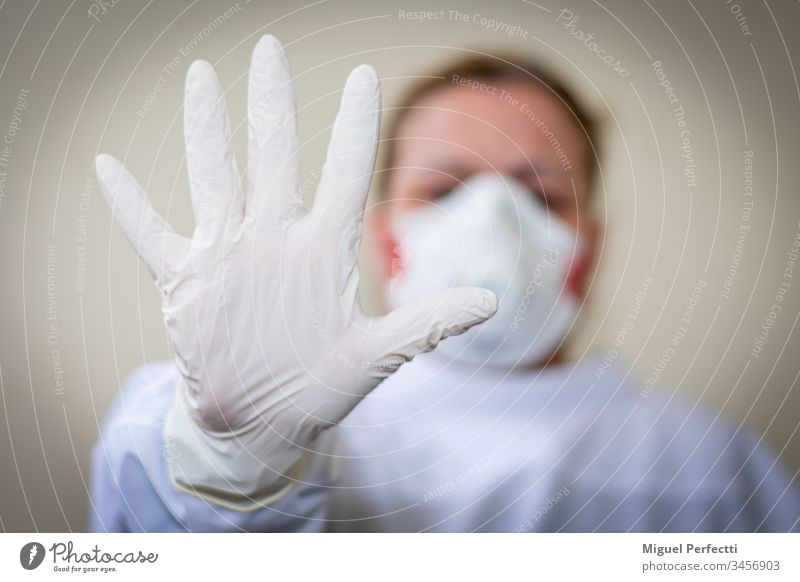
351	557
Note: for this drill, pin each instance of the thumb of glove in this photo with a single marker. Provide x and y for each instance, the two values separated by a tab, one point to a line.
419	327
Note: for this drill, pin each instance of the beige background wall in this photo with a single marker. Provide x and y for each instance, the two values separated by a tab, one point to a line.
76	315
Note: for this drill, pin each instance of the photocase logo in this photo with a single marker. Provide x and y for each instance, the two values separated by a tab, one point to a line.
31	555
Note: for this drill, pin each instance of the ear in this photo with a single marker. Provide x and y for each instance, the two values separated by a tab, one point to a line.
388	250
583	265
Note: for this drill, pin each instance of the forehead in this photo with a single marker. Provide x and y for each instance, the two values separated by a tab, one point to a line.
490	126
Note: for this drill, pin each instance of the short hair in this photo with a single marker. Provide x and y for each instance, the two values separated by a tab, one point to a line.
492	69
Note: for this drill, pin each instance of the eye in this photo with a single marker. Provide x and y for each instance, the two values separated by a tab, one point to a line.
555	201
435	190
440	192
546	198
550	196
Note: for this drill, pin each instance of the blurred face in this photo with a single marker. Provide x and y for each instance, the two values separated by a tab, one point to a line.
511	128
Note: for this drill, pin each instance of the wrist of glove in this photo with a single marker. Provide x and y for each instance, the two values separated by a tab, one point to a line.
243	470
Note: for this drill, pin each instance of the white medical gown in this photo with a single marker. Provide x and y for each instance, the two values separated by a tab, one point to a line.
437	447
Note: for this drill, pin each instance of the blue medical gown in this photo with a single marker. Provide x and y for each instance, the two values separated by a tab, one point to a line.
577	447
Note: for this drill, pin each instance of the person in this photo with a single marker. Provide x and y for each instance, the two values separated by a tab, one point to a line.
288	408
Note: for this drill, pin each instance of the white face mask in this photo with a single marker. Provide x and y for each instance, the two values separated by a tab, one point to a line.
490	232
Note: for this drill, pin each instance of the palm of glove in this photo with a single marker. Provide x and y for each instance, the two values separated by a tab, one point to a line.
261	305
308	353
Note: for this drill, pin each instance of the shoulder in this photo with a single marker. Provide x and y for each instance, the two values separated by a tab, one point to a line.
662	431
126	472
145	395
131	434
142	404
693	465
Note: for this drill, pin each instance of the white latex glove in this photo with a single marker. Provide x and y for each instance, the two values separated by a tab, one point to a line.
262	305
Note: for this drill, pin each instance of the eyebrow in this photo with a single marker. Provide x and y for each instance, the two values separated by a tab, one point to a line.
524	168
447	168
529	167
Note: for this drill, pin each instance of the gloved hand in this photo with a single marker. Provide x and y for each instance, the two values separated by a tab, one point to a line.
262	305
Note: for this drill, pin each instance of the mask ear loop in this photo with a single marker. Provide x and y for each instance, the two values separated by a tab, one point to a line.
397	263
399	256
389	246
575	284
